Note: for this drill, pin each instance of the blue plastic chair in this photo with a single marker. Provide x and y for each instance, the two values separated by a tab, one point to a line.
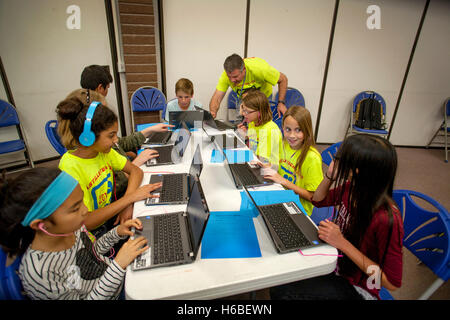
9	118
232	100
352	128
426	234
51	130
443	130
328	153
293	98
146	99
319	214
10	285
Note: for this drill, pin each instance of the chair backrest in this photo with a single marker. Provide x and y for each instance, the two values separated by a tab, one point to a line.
232	100
163	114
10	285
8	114
328	153
51	130
293	98
147	99
426	232
368	94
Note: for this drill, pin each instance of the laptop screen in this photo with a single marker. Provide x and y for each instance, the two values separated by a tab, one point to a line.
198	215
181	143
196	166
189	117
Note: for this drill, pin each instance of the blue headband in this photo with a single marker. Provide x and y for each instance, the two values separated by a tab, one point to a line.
52	198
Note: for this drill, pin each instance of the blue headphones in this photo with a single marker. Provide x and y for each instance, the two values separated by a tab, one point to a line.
87	137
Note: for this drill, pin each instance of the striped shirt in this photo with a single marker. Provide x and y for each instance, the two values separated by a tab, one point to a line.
78	273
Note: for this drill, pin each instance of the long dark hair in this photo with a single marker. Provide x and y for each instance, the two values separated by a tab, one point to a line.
368	164
17	196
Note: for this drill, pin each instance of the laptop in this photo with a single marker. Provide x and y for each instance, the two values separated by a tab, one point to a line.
159	137
173	238
217	124
176	188
245	174
189	117
173	153
227	140
290	228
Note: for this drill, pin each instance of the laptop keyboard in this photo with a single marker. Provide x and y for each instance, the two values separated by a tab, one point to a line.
288	232
245	174
167	246
164	154
222	126
172	188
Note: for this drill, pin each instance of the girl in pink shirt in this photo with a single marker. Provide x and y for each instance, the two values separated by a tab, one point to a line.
366	228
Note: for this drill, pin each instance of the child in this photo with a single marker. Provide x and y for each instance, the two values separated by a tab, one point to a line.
41	216
96	78
93	163
264	136
126	146
184	90
300	167
368	228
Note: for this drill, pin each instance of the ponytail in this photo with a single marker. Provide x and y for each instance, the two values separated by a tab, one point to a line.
72	114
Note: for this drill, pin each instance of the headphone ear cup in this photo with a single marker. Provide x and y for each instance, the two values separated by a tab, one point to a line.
87	138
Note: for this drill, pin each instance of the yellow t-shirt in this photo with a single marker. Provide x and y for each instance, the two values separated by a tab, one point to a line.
259	74
96	176
265	141
311	171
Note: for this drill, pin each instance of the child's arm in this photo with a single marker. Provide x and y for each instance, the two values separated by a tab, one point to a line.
331	234
277	178
135	175
323	188
99	216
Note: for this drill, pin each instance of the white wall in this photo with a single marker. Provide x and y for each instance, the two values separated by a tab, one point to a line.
44	60
292	36
364	59
198	36
427	86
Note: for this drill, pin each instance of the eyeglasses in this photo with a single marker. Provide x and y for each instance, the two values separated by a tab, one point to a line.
246	112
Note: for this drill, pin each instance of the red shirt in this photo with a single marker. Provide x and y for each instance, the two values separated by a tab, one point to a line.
373	244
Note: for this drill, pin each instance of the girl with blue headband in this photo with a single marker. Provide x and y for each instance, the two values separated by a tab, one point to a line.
42	219
94	162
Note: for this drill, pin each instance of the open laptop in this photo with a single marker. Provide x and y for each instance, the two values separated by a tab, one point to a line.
189	117
217	124
159	137
176	187
173	238
245	174
227	141
289	227
173	153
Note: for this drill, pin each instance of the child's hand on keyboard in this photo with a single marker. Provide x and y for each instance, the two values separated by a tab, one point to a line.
144	156
130	250
273	175
125	229
145	191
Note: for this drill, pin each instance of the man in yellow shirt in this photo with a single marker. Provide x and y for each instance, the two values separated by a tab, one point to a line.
241	74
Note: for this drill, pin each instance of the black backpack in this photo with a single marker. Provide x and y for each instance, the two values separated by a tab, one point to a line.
369	114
